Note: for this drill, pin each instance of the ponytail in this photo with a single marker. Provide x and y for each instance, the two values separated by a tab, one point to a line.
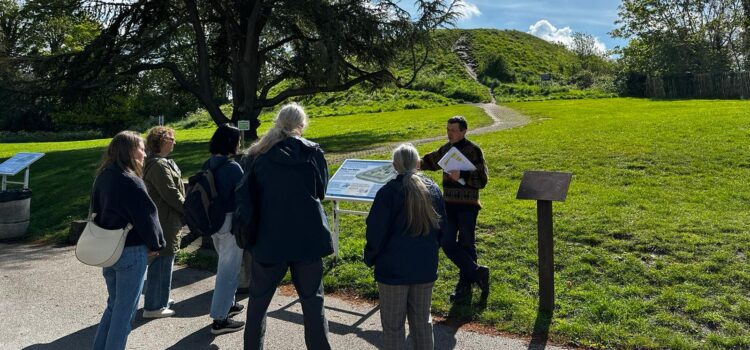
420	215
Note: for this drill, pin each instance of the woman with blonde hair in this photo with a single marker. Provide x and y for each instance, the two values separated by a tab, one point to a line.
403	235
287	175
164	183
119	197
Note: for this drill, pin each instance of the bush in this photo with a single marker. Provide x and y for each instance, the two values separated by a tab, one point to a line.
110	115
495	68
48	136
584	79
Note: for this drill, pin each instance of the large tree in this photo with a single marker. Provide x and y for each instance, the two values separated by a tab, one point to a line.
676	36
33	32
746	33
256	53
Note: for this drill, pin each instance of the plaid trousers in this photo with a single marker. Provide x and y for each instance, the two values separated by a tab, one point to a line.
397	302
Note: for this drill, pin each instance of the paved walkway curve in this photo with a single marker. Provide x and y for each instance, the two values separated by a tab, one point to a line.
502	118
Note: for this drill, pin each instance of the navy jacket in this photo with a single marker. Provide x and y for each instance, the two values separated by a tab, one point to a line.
226	177
120	198
290	181
399	257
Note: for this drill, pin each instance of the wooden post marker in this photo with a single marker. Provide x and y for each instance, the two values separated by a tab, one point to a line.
545	187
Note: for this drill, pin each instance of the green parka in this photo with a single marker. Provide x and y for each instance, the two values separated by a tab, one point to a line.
164	183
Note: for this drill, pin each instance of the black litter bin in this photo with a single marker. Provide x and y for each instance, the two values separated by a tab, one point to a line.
15	210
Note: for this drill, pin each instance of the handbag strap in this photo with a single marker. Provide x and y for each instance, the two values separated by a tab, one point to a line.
92	215
91	204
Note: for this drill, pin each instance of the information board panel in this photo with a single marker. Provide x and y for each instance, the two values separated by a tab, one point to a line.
359	179
18	162
544	185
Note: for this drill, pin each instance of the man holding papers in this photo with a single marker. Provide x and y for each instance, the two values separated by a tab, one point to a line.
464	174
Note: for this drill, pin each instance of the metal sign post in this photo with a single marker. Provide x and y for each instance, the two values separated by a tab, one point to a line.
14	165
356	180
545	187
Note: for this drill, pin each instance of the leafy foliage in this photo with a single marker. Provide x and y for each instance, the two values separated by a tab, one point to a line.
683	36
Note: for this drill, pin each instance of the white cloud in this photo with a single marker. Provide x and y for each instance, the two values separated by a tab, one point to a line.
467	10
545	30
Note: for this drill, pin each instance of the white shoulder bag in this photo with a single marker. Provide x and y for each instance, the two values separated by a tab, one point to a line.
101	247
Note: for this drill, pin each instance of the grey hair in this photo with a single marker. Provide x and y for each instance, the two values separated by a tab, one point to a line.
420	215
290	121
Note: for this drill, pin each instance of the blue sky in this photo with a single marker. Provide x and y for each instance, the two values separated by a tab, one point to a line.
550	20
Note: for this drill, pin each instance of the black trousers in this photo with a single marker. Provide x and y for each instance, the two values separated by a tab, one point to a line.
308	280
459	240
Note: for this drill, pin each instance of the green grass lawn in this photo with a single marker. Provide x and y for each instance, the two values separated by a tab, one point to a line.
62	180
652	243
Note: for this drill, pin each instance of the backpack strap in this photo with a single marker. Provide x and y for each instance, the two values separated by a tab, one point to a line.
212	180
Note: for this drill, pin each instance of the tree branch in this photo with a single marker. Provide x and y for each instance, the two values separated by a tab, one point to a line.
308	90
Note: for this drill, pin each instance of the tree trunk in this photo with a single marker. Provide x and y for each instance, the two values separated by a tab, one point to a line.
243	112
746	9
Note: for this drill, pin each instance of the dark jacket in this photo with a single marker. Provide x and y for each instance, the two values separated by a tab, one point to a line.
455	192
290	181
399	257
163	180
226	177
120	198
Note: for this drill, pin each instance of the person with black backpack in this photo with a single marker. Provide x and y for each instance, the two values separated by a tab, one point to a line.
223	173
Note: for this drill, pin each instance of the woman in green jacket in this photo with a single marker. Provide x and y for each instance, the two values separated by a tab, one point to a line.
164	183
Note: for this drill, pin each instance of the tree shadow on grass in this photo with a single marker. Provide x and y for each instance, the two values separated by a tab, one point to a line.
354	141
61	181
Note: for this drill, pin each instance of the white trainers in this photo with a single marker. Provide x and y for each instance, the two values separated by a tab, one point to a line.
163	312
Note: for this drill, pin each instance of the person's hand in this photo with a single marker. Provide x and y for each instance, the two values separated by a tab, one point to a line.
455	175
153	253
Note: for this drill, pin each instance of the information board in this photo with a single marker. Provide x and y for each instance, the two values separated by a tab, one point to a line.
243	125
18	162
359	179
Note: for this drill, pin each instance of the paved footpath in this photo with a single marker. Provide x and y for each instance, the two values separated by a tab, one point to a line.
48	300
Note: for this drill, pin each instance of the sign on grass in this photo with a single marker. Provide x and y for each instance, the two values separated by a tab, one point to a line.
359	179
18	162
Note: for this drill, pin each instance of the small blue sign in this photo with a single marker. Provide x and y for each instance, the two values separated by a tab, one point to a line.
18	162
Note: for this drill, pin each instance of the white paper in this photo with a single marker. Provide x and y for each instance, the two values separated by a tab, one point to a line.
455	160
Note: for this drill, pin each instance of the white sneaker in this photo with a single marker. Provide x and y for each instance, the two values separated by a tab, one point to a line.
163	312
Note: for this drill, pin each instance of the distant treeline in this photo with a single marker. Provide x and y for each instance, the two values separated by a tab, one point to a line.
724	85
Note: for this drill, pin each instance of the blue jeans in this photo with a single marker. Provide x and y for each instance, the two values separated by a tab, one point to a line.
227	270
124	282
158	283
459	240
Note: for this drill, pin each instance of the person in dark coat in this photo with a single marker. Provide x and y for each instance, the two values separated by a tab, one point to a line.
403	235
119	197
288	175
461	189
